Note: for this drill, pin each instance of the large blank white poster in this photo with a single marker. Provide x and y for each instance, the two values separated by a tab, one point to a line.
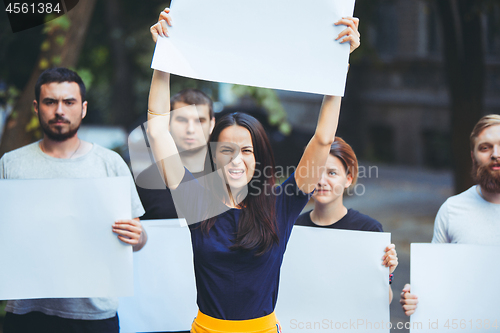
457	287
56	238
334	280
164	287
281	44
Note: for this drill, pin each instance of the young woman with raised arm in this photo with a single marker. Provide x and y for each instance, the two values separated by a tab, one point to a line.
238	253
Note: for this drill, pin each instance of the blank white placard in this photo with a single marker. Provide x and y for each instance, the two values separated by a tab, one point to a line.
56	238
318	280
334	280
164	286
280	44
457	287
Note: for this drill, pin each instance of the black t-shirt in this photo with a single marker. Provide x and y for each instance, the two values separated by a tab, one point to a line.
353	220
155	196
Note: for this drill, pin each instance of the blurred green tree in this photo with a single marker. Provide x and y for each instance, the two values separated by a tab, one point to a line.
118	52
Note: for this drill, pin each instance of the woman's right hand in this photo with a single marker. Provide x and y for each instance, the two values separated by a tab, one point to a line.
160	28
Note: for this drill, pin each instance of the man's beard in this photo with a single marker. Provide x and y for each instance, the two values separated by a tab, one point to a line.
57	136
488	179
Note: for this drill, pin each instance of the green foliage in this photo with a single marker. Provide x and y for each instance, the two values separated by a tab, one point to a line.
56	60
86	75
96	61
61	22
43	64
33	124
45	46
60	40
2	310
99	56
268	99
9	95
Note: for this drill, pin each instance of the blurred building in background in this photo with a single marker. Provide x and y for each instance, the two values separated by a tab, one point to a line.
396	107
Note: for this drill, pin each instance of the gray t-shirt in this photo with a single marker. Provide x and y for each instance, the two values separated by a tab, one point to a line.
29	162
467	218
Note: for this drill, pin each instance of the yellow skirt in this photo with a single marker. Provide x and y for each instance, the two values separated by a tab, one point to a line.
206	324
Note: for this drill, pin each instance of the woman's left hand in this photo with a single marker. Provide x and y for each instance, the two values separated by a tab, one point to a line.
390	258
351	33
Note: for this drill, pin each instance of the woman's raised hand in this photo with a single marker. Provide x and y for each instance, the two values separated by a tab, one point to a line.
351	33
160	28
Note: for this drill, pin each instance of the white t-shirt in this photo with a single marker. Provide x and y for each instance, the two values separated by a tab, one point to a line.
467	218
29	162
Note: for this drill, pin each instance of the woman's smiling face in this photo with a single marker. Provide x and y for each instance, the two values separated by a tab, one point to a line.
235	156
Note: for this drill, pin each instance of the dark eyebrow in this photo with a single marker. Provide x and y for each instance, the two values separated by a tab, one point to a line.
48	99
246	147
484	143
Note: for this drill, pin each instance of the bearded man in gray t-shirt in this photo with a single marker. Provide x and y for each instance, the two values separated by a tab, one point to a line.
473	216
60	105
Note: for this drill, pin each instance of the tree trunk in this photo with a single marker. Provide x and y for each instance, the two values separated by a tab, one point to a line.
53	53
465	70
122	98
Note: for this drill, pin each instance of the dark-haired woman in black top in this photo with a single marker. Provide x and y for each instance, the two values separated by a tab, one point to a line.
240	225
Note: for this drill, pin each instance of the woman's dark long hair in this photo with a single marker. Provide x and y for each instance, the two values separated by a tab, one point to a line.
257	228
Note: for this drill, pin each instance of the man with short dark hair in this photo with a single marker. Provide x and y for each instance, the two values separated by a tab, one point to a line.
60	105
190	129
473	216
